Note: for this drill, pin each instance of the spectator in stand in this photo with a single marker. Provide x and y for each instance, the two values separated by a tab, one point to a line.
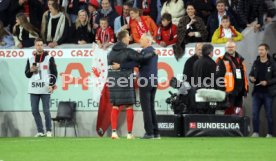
271	9
232	7
166	33
191	28
73	6
122	22
107	12
6	39
93	13
140	25
83	31
55	25
226	32
149	8
104	35
249	10
175	8
16	6
24	32
37	9
214	21
204	8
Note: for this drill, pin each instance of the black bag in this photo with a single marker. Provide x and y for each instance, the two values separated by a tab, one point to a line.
124	94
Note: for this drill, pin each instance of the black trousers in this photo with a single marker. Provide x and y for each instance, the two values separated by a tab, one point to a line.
147	96
236	100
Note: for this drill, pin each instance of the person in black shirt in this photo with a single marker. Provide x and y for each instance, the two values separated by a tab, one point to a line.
55	25
83	30
24	32
263	75
188	68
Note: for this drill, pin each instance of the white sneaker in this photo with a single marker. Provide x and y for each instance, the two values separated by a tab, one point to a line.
130	136
49	134
39	135
114	135
255	134
269	136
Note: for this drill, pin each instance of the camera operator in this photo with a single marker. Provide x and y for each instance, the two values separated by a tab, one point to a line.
204	71
204	67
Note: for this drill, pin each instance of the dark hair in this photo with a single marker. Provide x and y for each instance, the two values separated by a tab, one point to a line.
166	16
207	49
265	45
127	4
221	1
3	32
225	18
189	4
37	40
121	35
169	1
136	10
104	19
55	5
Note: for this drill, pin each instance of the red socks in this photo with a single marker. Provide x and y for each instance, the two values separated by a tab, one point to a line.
129	117
114	118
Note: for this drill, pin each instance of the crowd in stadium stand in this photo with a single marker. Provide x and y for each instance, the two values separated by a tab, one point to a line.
169	21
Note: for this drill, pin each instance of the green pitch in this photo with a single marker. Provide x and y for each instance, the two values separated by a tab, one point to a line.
166	149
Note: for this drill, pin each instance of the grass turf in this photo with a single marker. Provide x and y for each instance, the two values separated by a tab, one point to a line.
166	149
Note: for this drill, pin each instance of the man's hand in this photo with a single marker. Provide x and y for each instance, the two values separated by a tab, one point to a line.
263	83
125	27
191	34
20	45
257	27
252	79
33	69
268	19
52	44
116	66
163	44
81	42
51	89
157	52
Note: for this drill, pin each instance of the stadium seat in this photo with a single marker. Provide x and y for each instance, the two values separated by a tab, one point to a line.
66	114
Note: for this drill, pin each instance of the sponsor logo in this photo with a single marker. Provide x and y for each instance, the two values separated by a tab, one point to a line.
192	125
214	125
166	125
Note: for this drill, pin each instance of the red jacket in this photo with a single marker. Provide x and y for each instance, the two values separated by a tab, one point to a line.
105	35
169	36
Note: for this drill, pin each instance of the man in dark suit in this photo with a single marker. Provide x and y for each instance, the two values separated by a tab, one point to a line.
214	19
147	83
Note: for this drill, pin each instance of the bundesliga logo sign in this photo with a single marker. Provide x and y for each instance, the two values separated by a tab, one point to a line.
214	125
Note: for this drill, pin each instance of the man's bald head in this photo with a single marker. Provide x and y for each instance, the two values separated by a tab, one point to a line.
231	47
198	49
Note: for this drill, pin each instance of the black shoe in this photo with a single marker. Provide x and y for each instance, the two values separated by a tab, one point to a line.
147	136
157	136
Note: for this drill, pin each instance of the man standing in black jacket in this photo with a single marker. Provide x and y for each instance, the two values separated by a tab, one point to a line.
263	75
188	68
205	67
